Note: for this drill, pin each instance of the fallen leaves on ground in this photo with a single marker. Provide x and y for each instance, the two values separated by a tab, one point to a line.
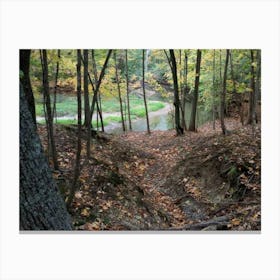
137	181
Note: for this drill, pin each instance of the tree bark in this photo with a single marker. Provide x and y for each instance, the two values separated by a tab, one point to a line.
24	65
119	90
47	99
184	92
86	96
214	89
86	102
127	90
41	204
144	91
102	73
252	107
235	94
173	66
258	82
223	95
192	126
55	85
98	103
79	144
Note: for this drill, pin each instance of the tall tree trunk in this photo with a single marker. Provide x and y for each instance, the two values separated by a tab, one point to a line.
127	90
86	96
173	67
144	91
223	95
79	145
41	204
86	102
258	82
192	126
214	89
47	99
235	94
95	100
55	86
252	111
184	92
24	65
99	104
119	90
102	73
221	78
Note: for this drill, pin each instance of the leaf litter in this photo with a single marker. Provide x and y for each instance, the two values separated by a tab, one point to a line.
136	181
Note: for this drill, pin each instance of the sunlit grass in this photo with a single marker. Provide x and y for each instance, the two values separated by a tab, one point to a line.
68	106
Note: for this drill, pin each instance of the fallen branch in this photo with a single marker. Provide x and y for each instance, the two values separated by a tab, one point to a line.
220	223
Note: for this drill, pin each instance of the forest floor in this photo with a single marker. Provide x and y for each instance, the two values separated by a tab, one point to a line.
135	181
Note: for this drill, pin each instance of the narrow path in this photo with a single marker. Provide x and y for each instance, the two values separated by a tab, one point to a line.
159	154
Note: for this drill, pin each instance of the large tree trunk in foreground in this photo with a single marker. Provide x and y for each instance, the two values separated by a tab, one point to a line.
41	204
196	87
24	63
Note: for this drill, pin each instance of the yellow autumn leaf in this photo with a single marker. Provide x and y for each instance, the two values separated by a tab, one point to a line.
235	222
142	166
92	226
85	212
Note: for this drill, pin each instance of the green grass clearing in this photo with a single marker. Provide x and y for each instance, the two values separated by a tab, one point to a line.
68	106
106	121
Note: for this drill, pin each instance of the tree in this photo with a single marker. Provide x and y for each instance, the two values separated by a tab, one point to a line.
192	125
96	89
86	95
119	90
223	95
214	90
127	90
41	204
55	85
79	144
258	81
49	116
237	97
86	101
252	99
144	91
98	103
173	67
24	64
184	91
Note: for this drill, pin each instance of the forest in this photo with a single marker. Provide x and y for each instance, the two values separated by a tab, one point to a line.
140	139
